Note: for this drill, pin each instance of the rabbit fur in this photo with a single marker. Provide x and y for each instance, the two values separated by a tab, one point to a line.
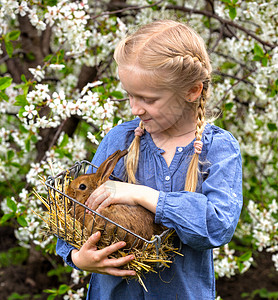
135	218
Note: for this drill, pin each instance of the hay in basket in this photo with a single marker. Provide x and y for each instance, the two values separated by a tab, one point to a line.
62	220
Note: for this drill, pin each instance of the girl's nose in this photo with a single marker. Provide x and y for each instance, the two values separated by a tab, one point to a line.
136	107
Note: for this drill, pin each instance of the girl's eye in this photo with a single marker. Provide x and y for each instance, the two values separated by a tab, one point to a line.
149	101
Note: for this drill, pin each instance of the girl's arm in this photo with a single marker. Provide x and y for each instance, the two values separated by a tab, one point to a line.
208	219
113	192
202	220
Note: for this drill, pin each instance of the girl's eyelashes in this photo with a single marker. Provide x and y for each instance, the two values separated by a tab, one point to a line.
147	100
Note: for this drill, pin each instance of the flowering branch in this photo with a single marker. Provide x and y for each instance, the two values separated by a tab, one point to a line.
126	8
207	14
223	21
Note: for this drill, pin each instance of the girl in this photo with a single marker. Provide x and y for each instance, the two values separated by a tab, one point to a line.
189	172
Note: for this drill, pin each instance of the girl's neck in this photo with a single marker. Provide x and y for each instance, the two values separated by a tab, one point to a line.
174	138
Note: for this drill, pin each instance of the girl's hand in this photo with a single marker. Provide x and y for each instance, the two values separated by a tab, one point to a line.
88	258
115	192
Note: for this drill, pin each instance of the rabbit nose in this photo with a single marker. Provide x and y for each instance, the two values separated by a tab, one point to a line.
82	186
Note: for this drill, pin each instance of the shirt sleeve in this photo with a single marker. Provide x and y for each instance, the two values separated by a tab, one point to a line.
64	249
108	145
208	219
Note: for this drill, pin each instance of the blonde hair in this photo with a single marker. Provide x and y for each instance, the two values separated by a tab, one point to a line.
172	48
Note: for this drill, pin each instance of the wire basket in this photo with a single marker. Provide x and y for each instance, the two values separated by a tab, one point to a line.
66	227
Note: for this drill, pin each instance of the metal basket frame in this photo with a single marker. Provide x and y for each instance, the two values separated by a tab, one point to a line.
80	167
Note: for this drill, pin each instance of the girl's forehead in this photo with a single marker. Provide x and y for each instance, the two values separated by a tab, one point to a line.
134	75
133	80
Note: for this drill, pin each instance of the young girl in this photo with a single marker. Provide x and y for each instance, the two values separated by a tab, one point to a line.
187	172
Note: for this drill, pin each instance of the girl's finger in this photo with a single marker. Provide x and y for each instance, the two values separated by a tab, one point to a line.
119	272
102	197
105	252
93	240
98	191
105	203
118	262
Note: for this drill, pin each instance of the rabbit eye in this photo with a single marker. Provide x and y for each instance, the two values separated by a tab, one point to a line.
82	186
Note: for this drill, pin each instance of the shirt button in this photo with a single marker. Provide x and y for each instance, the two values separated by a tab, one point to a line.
167	178
180	149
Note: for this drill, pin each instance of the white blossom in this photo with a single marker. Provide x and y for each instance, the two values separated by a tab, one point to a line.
38	73
30	111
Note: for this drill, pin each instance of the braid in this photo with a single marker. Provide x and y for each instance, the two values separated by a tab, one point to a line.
131	160
192	173
188	60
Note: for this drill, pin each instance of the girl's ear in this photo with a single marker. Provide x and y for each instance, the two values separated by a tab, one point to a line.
194	92
107	167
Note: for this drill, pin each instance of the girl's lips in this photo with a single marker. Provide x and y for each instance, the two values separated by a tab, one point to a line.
147	120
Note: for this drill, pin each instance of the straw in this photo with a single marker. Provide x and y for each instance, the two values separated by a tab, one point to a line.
58	221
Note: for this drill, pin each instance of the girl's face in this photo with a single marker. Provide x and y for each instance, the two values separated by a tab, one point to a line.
160	110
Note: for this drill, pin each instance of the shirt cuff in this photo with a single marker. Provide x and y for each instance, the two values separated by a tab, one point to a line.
64	250
160	207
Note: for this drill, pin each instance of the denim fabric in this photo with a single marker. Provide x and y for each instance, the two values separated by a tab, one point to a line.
203	220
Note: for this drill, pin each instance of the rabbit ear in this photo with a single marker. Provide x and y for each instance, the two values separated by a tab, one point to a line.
107	167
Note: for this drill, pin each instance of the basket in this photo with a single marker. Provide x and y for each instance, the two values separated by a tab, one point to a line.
152	254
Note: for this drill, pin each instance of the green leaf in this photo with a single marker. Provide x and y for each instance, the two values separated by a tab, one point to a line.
60	56
50	291
34	139
22	221
228	65
264	61
117	95
21	100
229	106
244	295
246	256
63	289
14	35
6	217
240	266
232	12
30	56
9	47
23	78
257	58
4	96
28	144
10	154
64	141
21	111
263	293
51	297
258	50
5	82
15	296
50	2
272	126
11	204
23	129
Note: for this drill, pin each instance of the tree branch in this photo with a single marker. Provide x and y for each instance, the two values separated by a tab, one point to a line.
223	21
198	12
126	7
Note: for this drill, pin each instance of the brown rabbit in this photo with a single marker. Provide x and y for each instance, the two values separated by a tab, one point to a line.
137	219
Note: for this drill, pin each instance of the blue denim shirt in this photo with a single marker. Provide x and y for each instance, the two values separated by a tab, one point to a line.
203	220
